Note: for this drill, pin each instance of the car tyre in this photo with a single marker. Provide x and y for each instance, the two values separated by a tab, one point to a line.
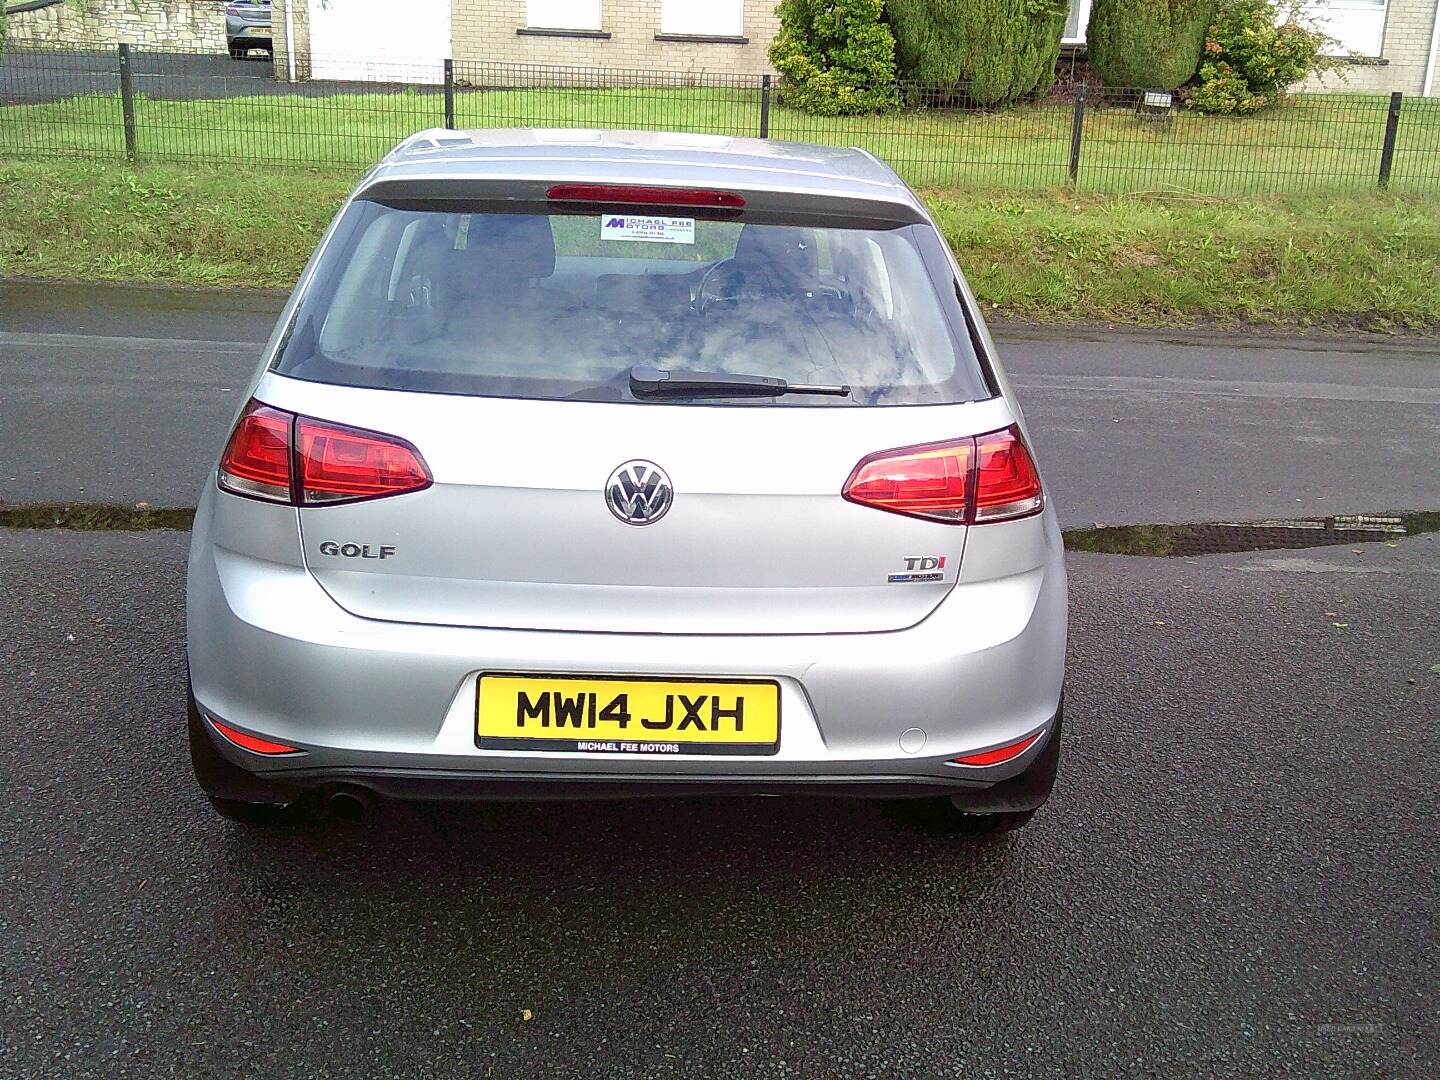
262	814
990	824
1008	806
235	794
940	817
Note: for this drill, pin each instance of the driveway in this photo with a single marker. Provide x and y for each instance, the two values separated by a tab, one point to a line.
41	75
1237	875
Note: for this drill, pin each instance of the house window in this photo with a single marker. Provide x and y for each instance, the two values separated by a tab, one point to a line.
563	14
1076	23
712	18
1358	26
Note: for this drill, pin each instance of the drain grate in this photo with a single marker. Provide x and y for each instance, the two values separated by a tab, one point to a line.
1224	538
1227	537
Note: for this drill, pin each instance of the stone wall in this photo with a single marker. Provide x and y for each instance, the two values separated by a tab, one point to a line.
280	43
197	25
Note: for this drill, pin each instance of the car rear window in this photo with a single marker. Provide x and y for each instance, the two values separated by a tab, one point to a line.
472	299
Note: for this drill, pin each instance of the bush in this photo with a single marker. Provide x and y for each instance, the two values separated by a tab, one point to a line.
1224	90
994	51
1250	61
1151	44
837	58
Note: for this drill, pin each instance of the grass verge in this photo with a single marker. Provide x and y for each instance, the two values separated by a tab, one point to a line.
1122	539
96	517
1355	261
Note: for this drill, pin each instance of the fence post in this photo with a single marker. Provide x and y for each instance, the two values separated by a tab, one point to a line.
1077	125
765	106
449	93
1387	152
127	101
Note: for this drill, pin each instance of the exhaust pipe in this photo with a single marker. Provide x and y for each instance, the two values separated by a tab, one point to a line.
354	805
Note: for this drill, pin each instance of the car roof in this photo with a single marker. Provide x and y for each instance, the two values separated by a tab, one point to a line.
673	159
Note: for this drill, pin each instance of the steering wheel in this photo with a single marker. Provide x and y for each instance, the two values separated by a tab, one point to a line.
815	291
702	298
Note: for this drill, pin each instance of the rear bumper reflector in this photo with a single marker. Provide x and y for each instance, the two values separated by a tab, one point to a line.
1000	754
253	743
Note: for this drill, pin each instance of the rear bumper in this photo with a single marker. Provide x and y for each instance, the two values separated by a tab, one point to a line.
436	786
391	707
222	778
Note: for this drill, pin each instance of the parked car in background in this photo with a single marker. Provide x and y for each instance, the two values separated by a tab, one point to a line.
247	26
594	464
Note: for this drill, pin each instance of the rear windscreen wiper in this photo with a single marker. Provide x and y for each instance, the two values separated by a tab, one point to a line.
647	381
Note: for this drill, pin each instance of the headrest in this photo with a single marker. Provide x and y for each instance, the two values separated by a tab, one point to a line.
787	252
515	246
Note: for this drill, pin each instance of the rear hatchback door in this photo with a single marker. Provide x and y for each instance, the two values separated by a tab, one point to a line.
500	340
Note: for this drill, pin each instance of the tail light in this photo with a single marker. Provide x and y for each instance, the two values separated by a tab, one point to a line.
970	481
280	457
1007	484
257	458
340	464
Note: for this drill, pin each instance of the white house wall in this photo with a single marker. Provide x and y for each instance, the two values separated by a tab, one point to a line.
379	40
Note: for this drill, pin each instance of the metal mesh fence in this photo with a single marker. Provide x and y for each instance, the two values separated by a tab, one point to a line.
159	105
1417	146
1306	142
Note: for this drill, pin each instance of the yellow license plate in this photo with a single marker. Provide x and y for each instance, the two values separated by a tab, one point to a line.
627	715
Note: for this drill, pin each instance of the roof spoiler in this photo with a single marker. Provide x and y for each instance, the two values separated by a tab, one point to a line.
390	185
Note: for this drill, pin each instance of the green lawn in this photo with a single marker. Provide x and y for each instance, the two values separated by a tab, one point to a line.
1360	260
1310	143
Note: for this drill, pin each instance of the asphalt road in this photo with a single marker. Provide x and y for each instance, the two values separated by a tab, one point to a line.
1236	876
122	395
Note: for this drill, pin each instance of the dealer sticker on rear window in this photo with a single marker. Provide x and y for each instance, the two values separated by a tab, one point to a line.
647	229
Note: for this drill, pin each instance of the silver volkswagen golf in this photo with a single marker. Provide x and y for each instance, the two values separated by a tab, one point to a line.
597	464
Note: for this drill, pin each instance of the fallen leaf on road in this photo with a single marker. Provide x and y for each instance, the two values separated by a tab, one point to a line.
526	1015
